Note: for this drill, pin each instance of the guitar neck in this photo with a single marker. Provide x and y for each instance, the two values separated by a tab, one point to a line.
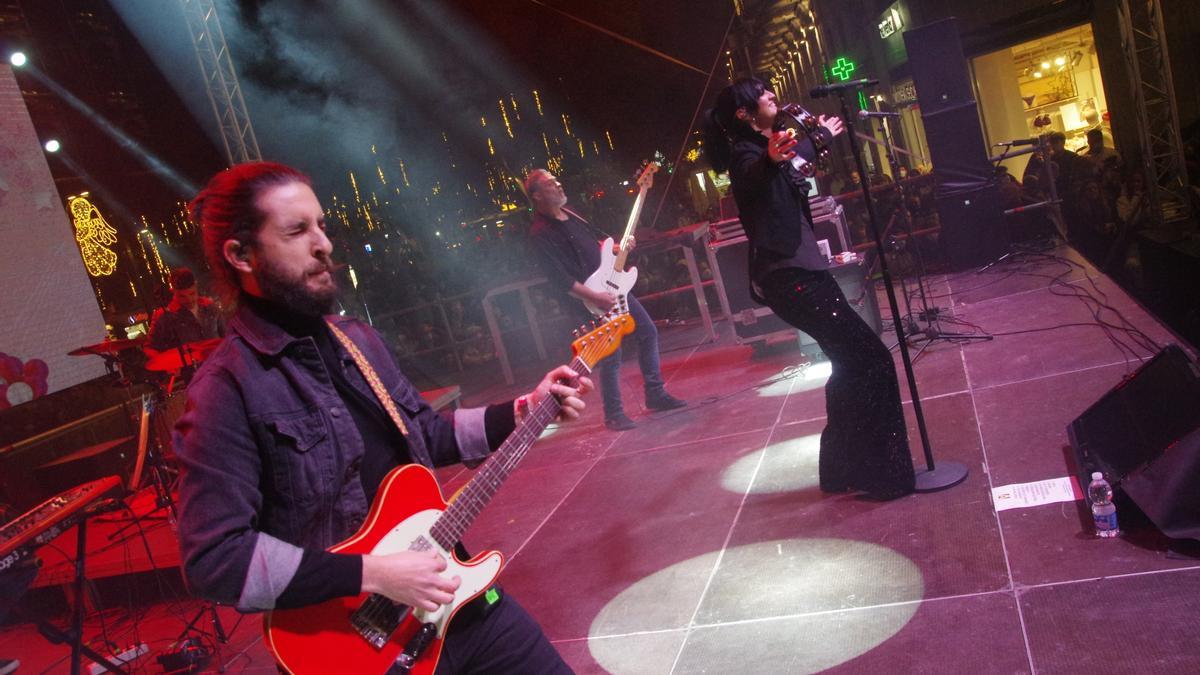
451	525
619	264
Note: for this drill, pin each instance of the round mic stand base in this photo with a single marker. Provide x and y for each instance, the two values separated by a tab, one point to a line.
944	475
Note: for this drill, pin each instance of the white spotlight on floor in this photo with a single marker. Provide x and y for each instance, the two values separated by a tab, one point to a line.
18	59
52	145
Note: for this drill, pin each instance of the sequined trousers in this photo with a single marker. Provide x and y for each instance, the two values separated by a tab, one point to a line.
864	445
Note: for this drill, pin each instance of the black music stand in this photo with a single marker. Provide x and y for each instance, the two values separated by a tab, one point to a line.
74	634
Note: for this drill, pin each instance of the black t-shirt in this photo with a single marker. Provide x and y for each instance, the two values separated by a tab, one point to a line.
566	250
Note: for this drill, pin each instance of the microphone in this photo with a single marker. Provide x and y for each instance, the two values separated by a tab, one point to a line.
827	89
868	114
1021	141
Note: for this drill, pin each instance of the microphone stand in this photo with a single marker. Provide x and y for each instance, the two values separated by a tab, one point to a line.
946	474
929	315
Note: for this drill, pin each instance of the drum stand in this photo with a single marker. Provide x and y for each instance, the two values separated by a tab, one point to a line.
161	477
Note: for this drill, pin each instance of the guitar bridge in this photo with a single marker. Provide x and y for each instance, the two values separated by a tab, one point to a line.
376	619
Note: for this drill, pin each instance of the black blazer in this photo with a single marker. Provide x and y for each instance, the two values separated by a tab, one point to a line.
771	203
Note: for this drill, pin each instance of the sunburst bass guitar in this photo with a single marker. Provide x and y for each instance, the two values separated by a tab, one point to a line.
370	633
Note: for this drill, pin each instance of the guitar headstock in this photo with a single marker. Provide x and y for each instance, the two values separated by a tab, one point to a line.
645	178
605	338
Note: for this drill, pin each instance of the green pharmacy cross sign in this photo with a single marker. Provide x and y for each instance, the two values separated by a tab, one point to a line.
843	68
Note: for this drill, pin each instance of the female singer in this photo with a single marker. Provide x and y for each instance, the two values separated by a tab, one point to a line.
864	445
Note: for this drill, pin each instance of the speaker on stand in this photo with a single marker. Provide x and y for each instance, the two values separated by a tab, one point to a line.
967	198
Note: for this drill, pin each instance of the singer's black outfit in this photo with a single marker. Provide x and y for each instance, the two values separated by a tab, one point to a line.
865	444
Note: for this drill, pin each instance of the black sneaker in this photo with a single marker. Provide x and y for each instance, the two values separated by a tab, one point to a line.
620	422
664	401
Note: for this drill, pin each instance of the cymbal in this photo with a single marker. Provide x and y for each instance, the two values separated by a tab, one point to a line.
193	353
107	347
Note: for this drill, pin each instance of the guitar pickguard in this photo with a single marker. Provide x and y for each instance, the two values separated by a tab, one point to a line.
477	575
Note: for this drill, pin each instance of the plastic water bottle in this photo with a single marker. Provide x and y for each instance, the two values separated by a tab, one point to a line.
1104	513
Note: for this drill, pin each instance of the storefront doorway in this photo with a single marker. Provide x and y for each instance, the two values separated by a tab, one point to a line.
1049	84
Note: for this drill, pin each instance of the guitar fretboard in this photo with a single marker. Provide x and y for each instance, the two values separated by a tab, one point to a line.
454	521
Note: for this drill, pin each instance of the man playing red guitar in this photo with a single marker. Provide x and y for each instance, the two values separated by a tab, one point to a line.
284	442
567	249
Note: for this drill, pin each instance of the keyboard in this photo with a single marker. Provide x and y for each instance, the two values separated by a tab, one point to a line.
40	525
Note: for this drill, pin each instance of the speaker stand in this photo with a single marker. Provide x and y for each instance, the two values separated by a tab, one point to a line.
934	477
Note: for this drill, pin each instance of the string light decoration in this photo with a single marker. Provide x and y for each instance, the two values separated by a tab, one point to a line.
154	261
94	235
504	116
537	101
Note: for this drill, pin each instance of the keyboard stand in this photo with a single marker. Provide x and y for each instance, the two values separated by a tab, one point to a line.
75	634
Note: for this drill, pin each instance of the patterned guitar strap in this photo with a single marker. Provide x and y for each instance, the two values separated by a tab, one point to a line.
369	374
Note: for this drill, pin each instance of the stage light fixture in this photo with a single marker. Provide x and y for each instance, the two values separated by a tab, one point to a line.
18	59
52	145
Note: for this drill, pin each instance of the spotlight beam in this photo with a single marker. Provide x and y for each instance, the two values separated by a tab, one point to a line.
125	141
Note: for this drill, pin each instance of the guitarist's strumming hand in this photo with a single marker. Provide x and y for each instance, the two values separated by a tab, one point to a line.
413	578
557	382
602	299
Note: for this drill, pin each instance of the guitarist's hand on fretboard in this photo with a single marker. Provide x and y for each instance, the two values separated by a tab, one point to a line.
566	385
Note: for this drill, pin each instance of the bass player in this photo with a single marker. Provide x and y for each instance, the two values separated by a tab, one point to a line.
567	249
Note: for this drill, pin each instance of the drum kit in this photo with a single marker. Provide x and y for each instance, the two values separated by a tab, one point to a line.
132	362
137	362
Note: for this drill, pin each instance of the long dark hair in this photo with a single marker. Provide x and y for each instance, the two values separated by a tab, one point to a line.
721	122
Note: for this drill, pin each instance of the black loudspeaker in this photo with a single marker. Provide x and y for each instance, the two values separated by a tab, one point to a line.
1144	435
939	68
972	227
957	148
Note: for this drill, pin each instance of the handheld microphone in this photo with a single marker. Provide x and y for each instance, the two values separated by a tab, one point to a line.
868	114
827	89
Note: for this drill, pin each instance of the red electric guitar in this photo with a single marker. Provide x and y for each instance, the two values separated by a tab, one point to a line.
370	633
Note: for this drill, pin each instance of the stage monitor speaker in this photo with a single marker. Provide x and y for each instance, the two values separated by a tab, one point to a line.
972	227
1144	435
939	68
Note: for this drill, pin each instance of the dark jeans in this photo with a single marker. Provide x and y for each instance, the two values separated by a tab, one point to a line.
506	640
865	442
609	369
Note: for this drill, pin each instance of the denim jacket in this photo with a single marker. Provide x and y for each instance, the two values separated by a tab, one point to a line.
271	456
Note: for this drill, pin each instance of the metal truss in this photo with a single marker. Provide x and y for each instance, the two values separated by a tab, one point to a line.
224	92
1144	43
